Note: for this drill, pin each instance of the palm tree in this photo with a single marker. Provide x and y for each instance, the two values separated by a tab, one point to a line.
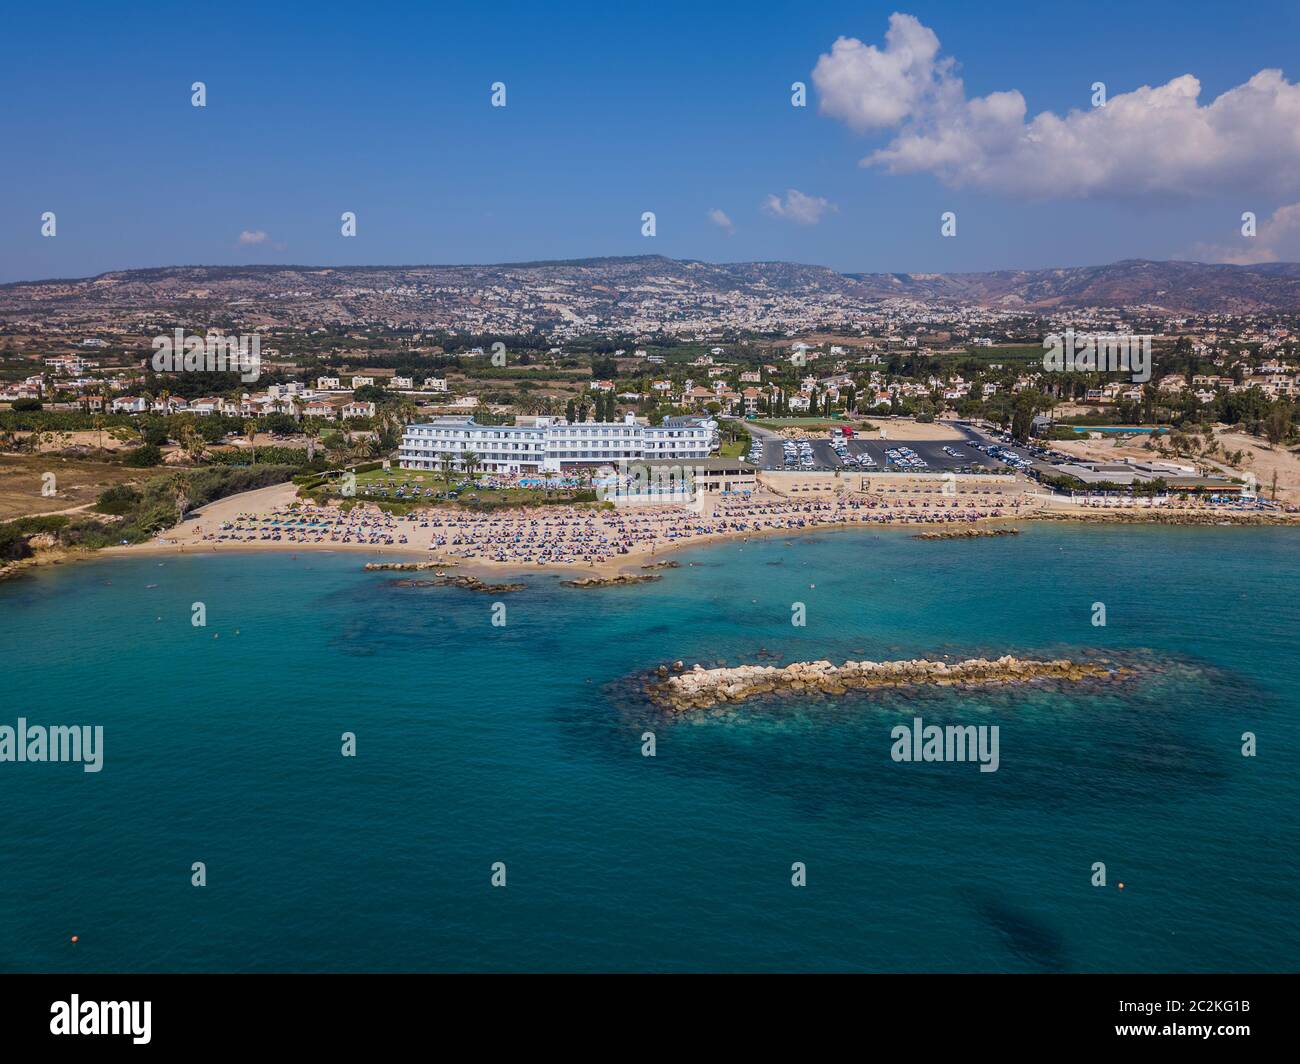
337	445
192	443
446	463
469	460
181	488
250	433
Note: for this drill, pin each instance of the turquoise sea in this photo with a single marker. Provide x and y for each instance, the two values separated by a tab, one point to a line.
522	744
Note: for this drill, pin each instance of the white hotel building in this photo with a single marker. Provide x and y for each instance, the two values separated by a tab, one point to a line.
551	444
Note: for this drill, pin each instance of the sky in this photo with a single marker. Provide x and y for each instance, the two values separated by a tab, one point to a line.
680	109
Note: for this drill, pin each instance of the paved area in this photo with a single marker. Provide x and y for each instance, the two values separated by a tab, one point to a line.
932	452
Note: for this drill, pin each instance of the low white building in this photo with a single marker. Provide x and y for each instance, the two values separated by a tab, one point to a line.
549	445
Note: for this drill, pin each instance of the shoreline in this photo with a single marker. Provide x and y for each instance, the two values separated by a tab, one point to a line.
639	556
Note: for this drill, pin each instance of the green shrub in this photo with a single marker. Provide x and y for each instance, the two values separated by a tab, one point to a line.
13	544
31	526
143	457
119	499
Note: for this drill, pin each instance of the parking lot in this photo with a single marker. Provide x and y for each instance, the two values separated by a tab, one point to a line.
821	454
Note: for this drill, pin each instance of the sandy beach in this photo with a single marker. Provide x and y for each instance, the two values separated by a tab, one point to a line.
587	541
566	539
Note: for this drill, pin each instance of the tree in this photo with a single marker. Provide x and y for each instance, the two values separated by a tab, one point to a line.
181	489
446	464
1277	422
192	444
1022	419
142	457
338	447
250	433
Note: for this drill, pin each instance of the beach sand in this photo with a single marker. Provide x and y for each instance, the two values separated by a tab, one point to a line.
661	531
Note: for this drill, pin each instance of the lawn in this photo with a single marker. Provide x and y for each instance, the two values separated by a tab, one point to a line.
779	423
371	487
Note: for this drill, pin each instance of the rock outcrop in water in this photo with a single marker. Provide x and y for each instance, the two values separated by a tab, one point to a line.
968	533
469	583
611	581
406	567
702	688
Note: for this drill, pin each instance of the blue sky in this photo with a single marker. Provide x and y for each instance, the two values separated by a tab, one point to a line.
680	109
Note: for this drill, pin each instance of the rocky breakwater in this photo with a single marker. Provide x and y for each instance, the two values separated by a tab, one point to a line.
968	533
1173	516
701	688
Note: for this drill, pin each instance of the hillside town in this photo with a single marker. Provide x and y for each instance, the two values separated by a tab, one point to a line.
884	403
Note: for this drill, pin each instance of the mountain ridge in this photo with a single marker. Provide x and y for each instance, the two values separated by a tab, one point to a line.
613	286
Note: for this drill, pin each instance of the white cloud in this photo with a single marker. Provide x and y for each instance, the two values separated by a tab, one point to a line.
1276	240
253	236
1151	141
720	219
798	207
872	89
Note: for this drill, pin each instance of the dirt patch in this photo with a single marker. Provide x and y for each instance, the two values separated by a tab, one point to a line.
76	483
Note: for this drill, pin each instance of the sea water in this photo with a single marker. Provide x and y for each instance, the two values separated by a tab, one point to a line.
522	745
